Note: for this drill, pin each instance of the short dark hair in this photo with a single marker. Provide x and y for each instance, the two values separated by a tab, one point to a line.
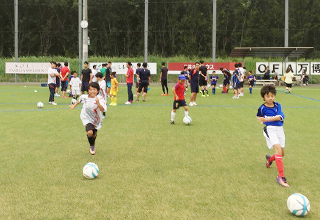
52	62
86	62
236	65
66	64
109	62
239	64
163	63
94	85
113	73
138	64
99	75
268	88
145	64
129	63
197	63
72	72
103	64
94	66
213	71
185	67
201	61
58	64
182	72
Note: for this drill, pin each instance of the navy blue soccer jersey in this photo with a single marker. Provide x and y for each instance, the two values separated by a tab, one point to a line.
269	112
214	80
250	78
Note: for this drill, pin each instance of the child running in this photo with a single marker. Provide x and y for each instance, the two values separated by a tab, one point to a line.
214	79
103	89
251	80
91	116
114	89
271	115
179	98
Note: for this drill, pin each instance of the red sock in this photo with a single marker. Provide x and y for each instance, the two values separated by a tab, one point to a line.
278	159
272	158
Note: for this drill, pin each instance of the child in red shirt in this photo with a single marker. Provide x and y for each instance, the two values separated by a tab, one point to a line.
179	99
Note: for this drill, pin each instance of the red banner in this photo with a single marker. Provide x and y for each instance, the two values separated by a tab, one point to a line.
211	66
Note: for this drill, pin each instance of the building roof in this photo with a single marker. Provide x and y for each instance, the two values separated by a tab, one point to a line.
295	52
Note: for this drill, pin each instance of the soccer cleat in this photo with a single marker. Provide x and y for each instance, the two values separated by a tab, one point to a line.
92	150
144	100
191	104
50	102
167	94
172	122
282	181
163	94
53	103
195	104
203	96
268	163
207	94
127	103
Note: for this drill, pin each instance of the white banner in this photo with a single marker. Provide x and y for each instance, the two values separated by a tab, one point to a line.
292	65
121	68
275	67
261	67
301	66
28	68
315	68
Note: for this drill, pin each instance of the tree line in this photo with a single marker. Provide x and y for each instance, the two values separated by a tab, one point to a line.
176	27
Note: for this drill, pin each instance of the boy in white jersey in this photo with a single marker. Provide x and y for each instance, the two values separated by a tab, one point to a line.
52	76
75	85
242	74
103	88
91	113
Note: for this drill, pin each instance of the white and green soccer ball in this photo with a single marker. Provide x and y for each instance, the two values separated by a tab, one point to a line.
187	120
73	101
298	204
40	105
90	170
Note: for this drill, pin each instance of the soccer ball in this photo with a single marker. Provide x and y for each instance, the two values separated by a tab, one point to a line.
73	101
40	105
187	120
68	91
298	204
90	170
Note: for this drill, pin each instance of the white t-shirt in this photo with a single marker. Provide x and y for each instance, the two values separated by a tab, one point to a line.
242	73
90	112
103	89
94	72
289	77
52	79
75	83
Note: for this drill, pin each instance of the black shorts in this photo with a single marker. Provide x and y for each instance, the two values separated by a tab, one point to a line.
84	87
178	103
57	81
251	83
64	85
90	127
137	85
241	84
225	82
144	86
194	87
202	82
164	82
213	84
289	85
236	86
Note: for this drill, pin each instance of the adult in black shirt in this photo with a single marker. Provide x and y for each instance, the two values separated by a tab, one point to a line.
107	77
144	79
194	84
86	77
164	79
203	78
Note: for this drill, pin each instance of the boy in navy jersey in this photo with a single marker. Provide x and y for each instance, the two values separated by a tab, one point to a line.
179	98
251	80
235	80
214	80
271	115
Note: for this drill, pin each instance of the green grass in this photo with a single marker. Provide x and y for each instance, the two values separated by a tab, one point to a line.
149	169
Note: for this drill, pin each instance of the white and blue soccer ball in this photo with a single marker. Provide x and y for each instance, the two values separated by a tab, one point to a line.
298	204
187	120
40	105
90	170
73	101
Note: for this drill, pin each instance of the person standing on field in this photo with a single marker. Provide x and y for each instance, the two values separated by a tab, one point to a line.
164	79
194	84
86	77
64	73
288	76
94	73
203	78
129	80
144	79
58	68
107	78
52	76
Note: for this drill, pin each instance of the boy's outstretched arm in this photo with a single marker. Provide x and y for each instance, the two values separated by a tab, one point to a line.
71	107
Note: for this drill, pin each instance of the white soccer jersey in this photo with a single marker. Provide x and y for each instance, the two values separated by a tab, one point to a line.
74	82
94	72
242	74
90	112
52	79
103	89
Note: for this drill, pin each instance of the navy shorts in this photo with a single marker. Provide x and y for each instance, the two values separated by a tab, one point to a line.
289	85
202	82
194	87
251	83
84	87
143	86
235	86
213	84
241	85
64	85
57	81
178	103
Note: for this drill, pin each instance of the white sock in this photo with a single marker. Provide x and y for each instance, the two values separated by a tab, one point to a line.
173	115
186	113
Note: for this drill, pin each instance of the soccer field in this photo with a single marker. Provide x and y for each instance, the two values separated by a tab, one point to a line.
150	169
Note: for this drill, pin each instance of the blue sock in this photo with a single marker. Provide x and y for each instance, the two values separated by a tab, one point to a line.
250	89
214	90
